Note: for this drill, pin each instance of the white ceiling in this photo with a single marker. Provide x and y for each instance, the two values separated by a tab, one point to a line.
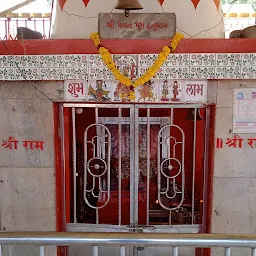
38	6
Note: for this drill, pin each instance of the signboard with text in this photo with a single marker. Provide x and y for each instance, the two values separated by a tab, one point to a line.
75	90
155	91
137	25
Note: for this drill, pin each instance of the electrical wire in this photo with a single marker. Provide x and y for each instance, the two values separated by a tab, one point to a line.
222	19
79	16
25	52
191	36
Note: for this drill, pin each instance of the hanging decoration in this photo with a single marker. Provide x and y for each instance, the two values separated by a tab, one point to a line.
107	58
62	3
86	2
195	2
217	3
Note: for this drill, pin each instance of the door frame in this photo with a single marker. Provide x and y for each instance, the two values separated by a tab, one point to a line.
61	217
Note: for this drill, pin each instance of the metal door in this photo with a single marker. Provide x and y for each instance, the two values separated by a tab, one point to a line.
97	136
178	156
133	167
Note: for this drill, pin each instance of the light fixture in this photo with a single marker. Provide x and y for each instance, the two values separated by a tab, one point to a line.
79	111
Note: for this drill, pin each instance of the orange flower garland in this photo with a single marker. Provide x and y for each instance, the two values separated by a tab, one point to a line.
107	58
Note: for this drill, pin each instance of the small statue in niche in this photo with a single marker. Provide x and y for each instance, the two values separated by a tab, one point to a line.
175	91
26	33
165	91
249	32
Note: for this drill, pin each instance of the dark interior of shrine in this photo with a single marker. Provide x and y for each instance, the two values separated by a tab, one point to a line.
193	160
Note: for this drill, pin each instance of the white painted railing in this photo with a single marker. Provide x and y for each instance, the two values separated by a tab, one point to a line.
42	239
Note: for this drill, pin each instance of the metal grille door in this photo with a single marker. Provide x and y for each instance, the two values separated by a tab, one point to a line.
136	168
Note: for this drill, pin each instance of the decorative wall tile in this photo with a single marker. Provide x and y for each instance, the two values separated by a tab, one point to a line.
170	91
100	90
100	73
75	90
127	64
159	74
51	61
148	92
146	60
51	74
27	74
26	61
7	74
177	60
202	72
195	91
202	59
249	59
248	72
75	73
95	60
176	73
228	59
6	61
91	66
75	60
227	72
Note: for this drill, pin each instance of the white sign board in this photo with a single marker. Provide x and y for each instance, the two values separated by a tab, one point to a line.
195	91
75	90
155	90
244	114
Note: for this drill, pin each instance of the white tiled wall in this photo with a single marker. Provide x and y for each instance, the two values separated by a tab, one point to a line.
83	66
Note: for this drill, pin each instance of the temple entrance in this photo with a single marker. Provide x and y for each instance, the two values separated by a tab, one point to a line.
135	168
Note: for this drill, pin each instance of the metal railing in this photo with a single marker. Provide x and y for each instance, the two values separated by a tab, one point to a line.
236	23
8	26
175	241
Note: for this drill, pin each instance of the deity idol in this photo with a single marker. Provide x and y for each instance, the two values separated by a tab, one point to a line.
99	94
175	91
165	91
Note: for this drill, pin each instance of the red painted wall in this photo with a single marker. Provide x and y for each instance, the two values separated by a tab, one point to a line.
75	46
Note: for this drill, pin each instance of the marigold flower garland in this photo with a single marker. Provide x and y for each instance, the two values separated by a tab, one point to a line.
106	56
